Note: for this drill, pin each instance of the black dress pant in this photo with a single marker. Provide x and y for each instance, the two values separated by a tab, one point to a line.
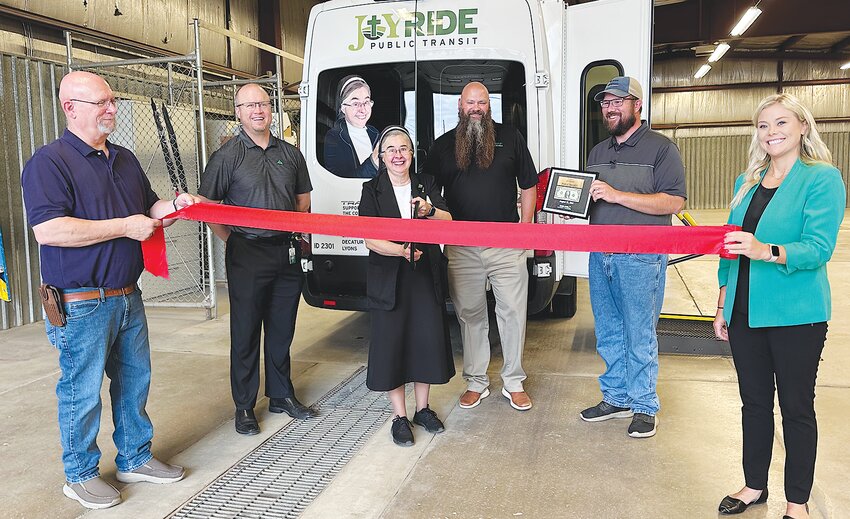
264	293
788	355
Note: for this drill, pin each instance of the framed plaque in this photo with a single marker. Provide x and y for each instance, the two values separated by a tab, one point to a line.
568	192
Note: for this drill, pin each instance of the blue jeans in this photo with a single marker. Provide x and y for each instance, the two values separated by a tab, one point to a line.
626	293
103	335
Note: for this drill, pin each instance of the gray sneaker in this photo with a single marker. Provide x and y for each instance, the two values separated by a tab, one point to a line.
642	426
154	471
94	493
605	411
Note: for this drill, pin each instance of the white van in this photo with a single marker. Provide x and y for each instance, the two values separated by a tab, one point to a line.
542	62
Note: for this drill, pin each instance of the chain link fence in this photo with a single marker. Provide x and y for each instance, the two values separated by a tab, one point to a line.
222	125
157	121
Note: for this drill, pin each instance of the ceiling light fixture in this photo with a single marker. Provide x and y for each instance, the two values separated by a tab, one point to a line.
703	70
845	66
718	52
745	21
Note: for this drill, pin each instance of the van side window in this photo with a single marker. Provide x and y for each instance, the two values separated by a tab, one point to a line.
354	104
594	78
348	119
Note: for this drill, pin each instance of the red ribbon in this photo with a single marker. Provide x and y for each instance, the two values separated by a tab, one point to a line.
642	239
153	252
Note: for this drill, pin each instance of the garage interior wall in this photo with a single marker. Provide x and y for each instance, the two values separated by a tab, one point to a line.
713	128
32	61
29	118
165	24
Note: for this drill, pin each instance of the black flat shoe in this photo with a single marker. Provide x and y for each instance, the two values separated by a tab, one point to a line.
246	422
789	517
292	407
730	505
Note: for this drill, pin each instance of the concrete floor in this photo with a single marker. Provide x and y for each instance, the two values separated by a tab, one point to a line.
492	461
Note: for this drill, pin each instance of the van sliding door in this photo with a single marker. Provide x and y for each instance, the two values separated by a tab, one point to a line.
602	39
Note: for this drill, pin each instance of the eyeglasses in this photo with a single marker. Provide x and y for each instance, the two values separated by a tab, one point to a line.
100	104
255	105
401	150
616	103
358	104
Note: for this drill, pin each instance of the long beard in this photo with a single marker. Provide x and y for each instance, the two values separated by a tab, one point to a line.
627	120
475	139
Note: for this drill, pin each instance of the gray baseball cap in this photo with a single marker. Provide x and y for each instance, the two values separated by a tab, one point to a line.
621	86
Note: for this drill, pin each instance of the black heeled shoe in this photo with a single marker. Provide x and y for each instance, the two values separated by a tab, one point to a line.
730	505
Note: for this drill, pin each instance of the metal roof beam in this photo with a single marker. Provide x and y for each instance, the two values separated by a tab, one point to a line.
711	20
790	42
841	46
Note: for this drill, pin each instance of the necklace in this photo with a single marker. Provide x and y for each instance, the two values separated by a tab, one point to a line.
778	176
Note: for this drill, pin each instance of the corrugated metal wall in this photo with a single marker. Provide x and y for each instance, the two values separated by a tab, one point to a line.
715	156
165	24
244	20
839	145
29	118
711	166
294	16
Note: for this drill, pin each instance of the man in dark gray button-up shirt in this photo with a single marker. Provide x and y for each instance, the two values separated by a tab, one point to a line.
256	169
641	182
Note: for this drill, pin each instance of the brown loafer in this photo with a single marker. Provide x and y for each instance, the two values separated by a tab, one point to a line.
471	399
519	399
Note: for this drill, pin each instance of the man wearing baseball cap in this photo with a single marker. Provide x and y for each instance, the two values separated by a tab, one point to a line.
623	87
641	181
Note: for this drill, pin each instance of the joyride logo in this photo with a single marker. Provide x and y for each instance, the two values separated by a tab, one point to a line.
448	28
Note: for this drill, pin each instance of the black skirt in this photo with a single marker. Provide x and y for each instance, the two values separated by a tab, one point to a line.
410	343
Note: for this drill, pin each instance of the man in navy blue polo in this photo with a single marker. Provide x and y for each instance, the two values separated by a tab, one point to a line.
90	207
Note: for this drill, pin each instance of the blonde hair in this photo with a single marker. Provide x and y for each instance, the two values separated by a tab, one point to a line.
812	147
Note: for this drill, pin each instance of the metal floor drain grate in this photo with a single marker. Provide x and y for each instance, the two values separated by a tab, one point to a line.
281	477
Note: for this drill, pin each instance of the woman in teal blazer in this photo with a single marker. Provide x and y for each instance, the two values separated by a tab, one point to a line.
774	300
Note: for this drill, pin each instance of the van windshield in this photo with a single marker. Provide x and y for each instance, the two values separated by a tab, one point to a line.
381	95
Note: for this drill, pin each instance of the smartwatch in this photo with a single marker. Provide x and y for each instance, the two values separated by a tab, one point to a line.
432	212
774	253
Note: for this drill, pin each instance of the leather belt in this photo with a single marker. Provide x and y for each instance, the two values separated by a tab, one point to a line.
88	295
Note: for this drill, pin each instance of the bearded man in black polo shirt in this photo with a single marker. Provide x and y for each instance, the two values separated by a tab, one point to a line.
479	165
264	278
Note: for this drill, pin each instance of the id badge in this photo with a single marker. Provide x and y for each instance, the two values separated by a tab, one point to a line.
291	255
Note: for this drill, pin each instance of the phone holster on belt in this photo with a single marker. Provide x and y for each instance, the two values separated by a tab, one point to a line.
51	300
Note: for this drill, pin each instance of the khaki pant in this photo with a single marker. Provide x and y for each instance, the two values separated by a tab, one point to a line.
469	270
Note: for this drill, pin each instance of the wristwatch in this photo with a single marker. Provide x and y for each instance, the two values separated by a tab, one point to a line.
432	212
774	253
